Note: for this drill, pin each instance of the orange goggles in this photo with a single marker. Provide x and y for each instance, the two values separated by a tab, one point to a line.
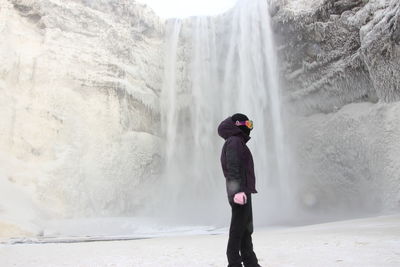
248	124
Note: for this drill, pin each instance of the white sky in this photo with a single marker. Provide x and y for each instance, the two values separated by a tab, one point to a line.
185	8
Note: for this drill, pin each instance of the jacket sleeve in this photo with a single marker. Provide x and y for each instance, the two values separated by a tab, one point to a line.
234	179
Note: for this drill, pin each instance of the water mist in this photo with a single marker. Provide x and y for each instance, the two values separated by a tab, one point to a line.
215	67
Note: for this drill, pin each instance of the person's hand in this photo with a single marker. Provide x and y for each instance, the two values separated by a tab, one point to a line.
240	198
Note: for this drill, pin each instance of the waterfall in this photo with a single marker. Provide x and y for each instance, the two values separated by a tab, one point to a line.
215	67
169	90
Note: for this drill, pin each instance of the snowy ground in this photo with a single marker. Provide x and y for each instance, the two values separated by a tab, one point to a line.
363	242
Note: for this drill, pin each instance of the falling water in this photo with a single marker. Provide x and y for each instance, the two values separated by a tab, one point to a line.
215	67
169	91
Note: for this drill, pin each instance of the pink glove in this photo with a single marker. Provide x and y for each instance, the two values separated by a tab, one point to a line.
240	198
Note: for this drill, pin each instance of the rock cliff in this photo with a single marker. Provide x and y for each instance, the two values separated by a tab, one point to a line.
79	91
340	69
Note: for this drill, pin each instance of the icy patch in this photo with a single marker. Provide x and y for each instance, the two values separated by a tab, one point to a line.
110	229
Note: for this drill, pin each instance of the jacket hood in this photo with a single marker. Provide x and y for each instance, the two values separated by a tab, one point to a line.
227	128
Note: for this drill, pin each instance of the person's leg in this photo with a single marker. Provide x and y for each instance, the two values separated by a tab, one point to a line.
248	256
236	230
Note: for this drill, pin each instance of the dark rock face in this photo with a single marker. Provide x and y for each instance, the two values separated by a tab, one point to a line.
340	52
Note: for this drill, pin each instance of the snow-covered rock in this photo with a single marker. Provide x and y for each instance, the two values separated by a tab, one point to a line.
340	65
79	91
338	52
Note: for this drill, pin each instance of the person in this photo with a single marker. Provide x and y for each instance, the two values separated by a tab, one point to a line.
238	168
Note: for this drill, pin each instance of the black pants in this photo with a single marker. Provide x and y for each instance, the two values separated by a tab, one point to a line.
240	245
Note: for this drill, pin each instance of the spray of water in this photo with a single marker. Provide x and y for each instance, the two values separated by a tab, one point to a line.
215	67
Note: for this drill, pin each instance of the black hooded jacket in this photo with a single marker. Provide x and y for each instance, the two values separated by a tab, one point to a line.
236	160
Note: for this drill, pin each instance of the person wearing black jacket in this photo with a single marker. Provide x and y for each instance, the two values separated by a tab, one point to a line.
238	168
